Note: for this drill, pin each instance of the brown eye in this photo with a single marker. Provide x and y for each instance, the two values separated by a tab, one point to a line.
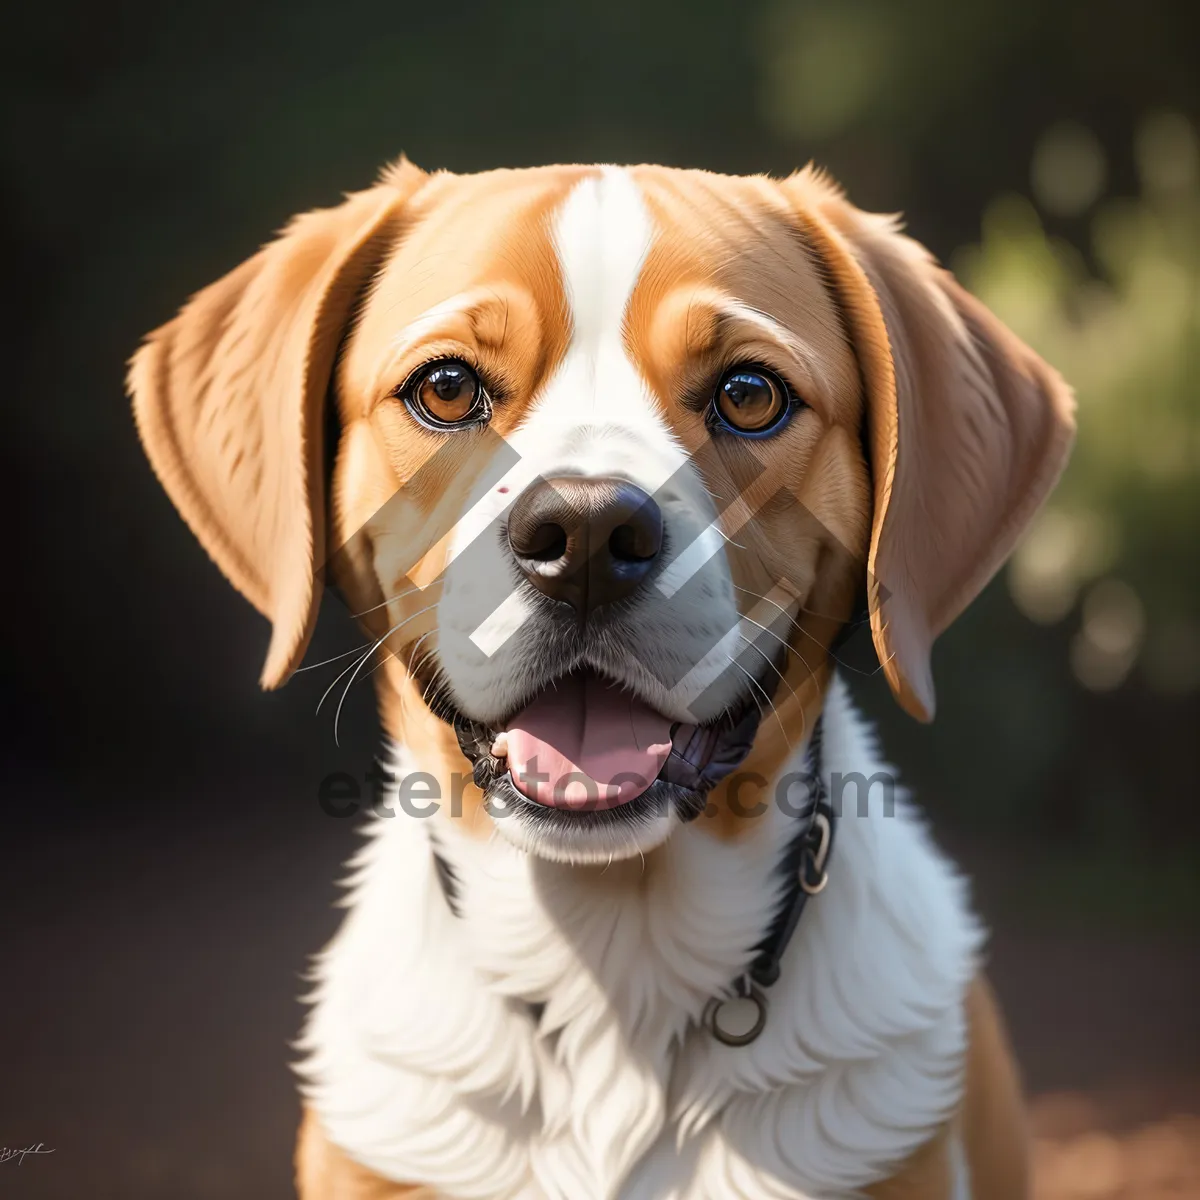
447	393
750	400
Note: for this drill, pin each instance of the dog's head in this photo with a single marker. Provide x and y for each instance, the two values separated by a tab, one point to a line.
603	459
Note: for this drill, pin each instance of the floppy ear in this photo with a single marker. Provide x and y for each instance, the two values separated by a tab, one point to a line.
229	399
967	429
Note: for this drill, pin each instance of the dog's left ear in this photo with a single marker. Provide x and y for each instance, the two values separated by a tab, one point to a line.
967	429
230	400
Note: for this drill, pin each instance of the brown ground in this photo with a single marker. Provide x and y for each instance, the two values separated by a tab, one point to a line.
1105	1017
1110	1063
1083	1152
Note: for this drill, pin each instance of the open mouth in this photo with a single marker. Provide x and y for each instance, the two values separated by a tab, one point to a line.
586	752
584	744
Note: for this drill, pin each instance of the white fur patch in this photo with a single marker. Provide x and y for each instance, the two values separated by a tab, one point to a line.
426	1063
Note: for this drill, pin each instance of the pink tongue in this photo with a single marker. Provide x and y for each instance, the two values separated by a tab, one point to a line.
586	744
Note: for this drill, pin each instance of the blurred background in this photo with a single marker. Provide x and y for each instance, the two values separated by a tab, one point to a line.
166	867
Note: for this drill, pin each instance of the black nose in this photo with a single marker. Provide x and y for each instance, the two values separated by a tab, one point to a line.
585	541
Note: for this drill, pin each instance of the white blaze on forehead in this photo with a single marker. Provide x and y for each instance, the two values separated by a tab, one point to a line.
601	235
597	416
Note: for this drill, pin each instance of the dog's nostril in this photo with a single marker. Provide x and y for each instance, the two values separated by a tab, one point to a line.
585	541
547	543
634	543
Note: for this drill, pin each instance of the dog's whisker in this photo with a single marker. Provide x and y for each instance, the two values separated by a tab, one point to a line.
358	662
733	663
755	684
434	679
775	604
728	539
782	679
326	661
767	659
806	633
374	608
412	669
787	646
772	634
356	666
380	663
359	665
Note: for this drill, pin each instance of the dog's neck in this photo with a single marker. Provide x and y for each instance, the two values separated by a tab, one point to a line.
557	1020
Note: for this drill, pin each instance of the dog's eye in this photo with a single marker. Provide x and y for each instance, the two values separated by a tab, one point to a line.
751	400
447	394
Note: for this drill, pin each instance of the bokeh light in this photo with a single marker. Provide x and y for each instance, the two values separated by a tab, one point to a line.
1068	169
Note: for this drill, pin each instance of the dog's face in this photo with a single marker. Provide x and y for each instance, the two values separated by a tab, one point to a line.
616	450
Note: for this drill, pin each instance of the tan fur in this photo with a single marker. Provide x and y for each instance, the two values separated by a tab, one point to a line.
323	1172
993	1126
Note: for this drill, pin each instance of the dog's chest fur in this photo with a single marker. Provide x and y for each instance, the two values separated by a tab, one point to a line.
547	1041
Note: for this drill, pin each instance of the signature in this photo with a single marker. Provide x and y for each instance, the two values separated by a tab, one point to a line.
7	1152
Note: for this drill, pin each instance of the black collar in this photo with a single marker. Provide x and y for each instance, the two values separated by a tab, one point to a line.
804	865
740	1017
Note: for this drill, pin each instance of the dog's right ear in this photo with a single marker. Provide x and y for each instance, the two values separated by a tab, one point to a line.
230	397
967	429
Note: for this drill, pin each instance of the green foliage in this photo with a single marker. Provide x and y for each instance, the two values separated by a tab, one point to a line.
1122	321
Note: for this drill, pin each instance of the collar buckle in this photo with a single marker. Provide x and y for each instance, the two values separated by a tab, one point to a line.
813	873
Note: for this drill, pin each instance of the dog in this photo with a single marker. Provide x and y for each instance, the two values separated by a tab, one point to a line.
606	462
